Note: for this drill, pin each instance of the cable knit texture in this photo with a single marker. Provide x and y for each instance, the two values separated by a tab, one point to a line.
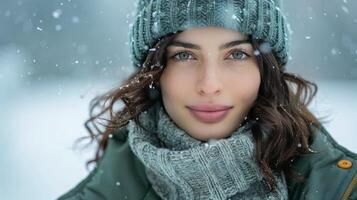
180	167
156	18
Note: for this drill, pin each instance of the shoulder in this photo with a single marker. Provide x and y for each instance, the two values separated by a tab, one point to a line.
118	175
330	172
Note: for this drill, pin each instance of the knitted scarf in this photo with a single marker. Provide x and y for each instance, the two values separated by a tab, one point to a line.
180	167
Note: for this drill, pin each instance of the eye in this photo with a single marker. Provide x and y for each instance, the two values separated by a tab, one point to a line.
238	55
182	56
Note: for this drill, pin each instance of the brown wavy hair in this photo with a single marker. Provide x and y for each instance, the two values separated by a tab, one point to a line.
281	121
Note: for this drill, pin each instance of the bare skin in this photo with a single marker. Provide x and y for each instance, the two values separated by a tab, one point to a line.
208	72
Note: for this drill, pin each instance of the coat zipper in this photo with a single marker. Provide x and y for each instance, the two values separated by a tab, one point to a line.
350	188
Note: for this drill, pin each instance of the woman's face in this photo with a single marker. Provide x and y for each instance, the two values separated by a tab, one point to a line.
210	82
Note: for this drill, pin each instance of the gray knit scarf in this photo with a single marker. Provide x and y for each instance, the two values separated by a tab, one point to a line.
180	167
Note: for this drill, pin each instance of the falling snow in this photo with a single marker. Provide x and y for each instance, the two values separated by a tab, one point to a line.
58	27
256	52
265	47
155	27
345	9
334	51
75	20
57	13
66	42
235	18
210	143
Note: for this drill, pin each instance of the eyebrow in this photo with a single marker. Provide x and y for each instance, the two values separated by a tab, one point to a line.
195	46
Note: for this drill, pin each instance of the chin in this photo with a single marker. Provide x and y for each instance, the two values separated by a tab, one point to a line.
205	135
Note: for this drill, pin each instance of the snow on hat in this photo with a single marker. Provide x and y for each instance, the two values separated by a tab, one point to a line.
263	19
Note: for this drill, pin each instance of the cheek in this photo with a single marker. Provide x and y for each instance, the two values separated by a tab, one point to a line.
174	84
245	87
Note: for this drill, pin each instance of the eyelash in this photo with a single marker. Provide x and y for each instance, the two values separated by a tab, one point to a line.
188	52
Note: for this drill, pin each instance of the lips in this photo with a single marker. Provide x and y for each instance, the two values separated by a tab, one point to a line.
209	113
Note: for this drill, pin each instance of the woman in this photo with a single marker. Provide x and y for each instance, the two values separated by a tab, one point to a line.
212	114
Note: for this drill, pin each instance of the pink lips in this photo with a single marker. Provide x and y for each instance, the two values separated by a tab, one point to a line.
209	113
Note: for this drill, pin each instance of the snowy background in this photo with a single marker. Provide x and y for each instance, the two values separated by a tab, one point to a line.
57	55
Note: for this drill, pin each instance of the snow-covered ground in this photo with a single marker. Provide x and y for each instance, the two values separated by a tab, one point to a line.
39	124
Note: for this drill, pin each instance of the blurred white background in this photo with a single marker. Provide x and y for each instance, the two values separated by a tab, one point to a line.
55	56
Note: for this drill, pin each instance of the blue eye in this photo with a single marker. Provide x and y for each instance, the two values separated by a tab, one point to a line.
182	56
235	55
239	55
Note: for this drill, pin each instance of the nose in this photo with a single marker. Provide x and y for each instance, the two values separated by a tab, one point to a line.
208	83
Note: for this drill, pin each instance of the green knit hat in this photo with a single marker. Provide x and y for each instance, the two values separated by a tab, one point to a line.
263	19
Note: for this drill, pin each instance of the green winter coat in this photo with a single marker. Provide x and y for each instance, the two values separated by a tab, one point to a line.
120	175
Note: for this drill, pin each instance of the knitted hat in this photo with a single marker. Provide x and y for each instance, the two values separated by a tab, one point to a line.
262	19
